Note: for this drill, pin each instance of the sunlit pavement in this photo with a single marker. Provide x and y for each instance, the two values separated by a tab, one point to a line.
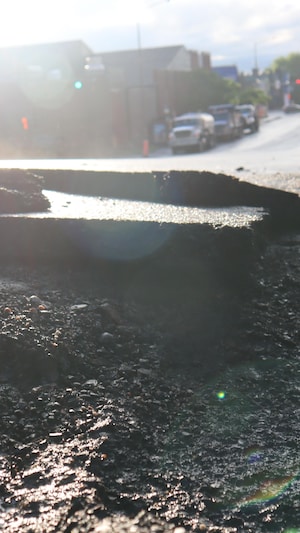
251	159
269	158
128	216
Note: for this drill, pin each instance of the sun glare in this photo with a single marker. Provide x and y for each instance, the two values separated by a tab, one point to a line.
33	22
128	14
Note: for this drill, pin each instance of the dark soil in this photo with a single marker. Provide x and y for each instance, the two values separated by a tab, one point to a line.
93	377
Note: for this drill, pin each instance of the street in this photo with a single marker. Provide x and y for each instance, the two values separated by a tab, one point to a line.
270	157
152	395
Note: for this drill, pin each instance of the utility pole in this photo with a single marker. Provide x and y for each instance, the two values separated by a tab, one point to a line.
255	70
144	125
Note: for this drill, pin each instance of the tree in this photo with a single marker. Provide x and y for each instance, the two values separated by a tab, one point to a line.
198	89
288	66
253	95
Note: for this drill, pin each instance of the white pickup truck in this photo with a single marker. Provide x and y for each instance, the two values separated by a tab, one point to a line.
192	131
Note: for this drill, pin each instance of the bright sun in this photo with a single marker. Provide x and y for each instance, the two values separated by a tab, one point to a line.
32	21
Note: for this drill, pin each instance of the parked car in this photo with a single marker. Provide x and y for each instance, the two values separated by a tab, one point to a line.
249	117
292	108
229	124
192	131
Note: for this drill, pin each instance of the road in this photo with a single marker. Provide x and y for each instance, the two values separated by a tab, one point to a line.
270	157
177	398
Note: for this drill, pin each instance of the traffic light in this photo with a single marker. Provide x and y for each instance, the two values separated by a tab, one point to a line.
24	121
78	84
297	81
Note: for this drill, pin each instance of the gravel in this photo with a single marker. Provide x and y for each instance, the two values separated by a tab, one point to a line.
105	397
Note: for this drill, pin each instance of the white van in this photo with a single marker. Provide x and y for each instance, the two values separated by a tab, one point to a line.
192	131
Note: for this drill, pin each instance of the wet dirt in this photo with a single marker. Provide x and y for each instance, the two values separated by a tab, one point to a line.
128	411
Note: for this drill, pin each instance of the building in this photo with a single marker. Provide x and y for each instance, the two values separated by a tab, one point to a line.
38	93
204	60
228	72
63	100
139	69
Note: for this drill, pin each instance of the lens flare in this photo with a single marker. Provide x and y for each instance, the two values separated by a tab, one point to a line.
46	77
111	240
269	491
254	454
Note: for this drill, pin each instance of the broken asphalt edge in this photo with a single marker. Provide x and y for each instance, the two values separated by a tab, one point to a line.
173	250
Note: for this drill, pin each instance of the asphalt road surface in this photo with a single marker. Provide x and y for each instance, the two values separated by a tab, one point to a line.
269	157
140	428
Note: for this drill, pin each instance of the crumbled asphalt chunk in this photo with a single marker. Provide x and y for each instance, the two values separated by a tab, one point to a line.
21	192
118	414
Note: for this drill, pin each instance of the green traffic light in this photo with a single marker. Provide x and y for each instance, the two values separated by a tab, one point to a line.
78	84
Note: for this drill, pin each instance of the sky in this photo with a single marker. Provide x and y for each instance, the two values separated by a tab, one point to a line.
245	33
